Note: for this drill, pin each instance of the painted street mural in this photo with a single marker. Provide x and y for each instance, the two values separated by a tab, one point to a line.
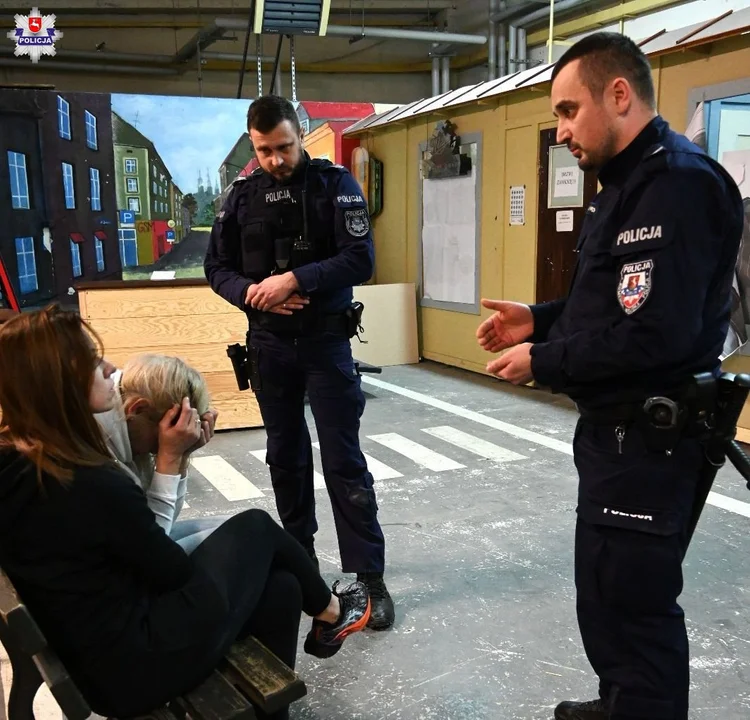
106	187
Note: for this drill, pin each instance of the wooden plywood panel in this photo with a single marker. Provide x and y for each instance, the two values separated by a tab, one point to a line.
390	324
209	358
189	322
168	331
147	303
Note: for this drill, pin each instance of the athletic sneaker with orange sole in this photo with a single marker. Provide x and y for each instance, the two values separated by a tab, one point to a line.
325	639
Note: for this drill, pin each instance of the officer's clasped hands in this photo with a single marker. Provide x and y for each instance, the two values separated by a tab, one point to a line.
274	294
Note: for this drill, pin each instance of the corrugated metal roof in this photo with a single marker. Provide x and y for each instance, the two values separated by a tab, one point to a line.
727	24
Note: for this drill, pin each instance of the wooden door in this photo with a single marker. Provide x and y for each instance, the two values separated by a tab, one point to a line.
557	231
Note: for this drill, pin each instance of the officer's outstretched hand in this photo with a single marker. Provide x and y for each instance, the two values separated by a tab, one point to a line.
510	324
514	365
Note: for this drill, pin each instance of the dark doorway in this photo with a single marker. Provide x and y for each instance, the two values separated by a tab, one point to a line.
559	226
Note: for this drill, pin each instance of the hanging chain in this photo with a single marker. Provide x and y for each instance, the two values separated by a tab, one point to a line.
294	68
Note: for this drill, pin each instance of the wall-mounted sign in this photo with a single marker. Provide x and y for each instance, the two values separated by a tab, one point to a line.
565	182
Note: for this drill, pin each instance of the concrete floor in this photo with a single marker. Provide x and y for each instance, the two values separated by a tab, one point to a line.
479	562
479	556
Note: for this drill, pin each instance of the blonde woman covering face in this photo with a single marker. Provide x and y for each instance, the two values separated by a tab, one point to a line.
160	417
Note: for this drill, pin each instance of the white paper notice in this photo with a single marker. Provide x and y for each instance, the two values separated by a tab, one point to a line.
449	239
564	220
566	182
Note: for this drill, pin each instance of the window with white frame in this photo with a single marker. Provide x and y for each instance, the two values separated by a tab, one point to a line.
128	247
131	165
132	185
19	181
134	204
63	118
69	186
91	135
154	188
99	246
153	170
96	189
27	279
75	257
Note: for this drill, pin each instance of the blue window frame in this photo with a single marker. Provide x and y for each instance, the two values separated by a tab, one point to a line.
99	246
128	247
27	279
92	139
19	181
69	186
95	189
63	118
75	256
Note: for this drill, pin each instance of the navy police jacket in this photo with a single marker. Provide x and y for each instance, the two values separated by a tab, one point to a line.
258	210
650	299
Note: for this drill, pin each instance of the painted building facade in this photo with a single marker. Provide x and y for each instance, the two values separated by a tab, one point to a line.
57	193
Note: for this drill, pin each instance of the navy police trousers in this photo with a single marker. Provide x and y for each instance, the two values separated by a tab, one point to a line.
631	537
323	366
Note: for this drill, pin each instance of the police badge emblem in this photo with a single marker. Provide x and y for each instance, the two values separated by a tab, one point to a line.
357	222
635	285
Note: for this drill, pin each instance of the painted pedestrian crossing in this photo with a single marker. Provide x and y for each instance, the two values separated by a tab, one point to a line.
250	482
419	454
473	444
378	470
318	481
229	481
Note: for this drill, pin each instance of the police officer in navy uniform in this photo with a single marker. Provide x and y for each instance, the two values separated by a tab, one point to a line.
288	245
649	306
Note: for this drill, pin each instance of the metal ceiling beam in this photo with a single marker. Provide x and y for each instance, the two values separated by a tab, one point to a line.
399	34
230	23
600	18
23	65
209	7
519	17
103	56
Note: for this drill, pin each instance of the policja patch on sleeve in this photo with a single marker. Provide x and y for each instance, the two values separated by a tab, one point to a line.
357	222
634	286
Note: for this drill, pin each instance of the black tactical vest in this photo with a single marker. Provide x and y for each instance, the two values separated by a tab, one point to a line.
283	227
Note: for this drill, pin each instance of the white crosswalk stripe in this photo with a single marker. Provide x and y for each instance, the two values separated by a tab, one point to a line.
319	482
417	453
378	470
473	444
231	483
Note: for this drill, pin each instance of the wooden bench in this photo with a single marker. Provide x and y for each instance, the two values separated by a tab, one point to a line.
249	671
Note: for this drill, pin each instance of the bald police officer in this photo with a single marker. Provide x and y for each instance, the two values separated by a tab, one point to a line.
288	245
649	305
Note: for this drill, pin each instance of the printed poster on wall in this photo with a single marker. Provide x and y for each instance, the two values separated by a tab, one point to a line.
565	186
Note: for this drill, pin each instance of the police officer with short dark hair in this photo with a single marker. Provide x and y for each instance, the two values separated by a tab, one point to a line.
288	245
648	307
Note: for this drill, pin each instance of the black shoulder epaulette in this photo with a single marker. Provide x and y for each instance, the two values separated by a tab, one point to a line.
239	179
323	164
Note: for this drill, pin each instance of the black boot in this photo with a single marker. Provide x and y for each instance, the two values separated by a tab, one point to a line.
589	710
383	613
